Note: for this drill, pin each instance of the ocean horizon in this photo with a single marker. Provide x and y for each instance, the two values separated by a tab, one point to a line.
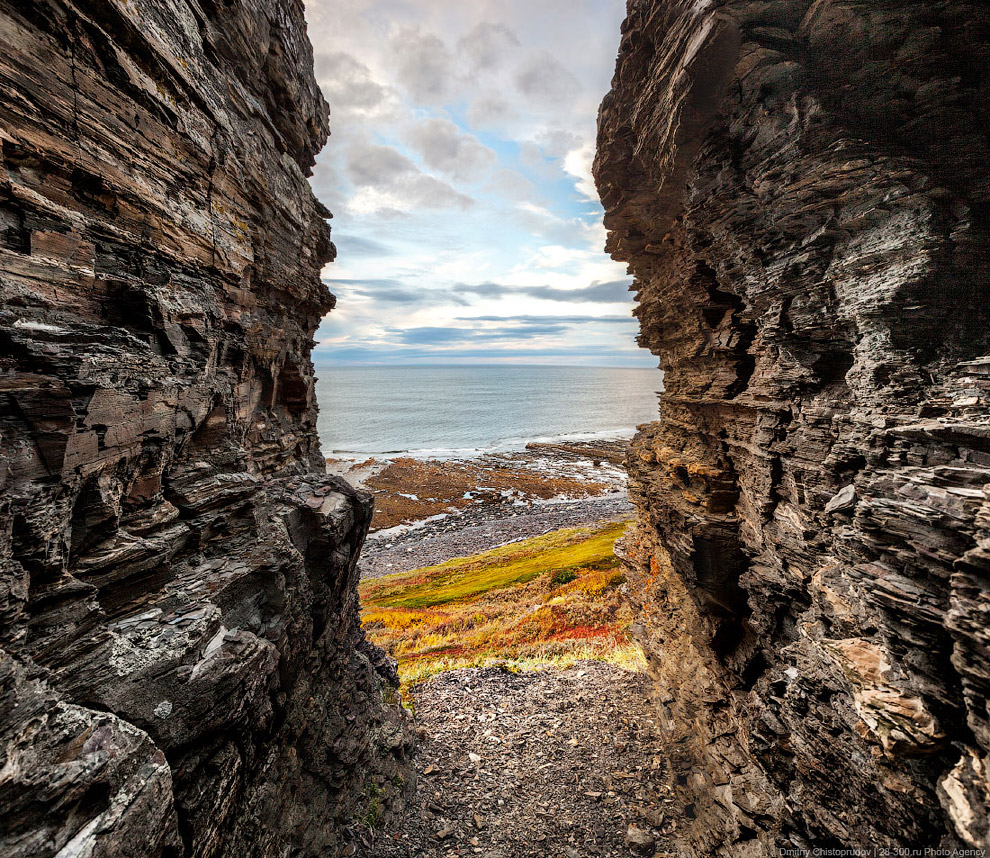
438	411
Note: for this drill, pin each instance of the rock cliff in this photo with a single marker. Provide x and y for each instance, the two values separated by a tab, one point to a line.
802	190
181	666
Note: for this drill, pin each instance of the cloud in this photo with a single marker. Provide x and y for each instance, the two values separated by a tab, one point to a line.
423	64
430	192
609	292
377	166
489	110
542	222
566	320
485	46
354	246
546	80
328	184
392	291
392	182
348	84
444	147
383	283
430	335
458	176
557	142
513	186
578	163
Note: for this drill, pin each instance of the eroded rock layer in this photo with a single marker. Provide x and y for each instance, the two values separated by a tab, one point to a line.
802	190
181	666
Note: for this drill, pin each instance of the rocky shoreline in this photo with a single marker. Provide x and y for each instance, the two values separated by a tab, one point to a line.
438	510
477	529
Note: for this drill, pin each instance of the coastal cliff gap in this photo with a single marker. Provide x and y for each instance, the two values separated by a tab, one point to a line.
182	669
800	190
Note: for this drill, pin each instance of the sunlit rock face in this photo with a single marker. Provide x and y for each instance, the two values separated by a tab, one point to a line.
803	193
181	666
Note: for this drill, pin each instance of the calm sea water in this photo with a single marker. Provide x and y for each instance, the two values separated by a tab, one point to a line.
437	411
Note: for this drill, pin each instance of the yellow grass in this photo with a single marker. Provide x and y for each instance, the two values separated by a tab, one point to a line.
549	600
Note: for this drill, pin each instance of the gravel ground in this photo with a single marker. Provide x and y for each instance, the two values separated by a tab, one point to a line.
548	764
462	534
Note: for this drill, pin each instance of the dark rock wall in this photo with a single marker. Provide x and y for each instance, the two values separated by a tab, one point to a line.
181	666
802	190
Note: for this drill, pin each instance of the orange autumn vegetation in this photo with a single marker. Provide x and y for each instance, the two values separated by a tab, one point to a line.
554	599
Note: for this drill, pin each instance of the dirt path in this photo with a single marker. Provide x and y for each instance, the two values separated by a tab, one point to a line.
550	764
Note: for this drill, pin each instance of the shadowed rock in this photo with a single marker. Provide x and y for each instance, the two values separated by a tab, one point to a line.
182	670
802	190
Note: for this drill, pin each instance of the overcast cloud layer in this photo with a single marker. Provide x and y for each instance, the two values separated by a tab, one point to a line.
458	172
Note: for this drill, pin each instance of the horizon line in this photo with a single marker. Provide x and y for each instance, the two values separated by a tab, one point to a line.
347	365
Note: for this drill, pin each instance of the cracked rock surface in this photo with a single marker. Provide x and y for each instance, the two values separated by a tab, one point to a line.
802	192
182	671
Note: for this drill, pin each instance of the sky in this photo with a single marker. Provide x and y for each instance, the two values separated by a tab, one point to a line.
458	170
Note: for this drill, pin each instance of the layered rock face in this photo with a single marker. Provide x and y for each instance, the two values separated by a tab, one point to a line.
181	666
802	190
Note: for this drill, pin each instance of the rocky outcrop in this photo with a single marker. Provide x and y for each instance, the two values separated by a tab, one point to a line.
181	666
803	193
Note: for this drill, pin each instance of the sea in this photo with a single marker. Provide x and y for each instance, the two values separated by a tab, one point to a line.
451	411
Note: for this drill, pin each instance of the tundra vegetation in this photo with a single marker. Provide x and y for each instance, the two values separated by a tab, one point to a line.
550	600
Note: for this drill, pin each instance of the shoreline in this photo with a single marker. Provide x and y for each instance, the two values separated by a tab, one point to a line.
430	510
464	534
504	447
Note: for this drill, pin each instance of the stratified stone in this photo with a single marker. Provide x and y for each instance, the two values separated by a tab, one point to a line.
802	190
182	670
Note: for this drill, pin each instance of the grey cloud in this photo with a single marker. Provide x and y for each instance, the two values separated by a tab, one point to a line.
347	83
358	281
489	109
532	155
432	193
545	152
446	148
423	64
351	246
512	185
556	142
377	166
486	45
565	232
443	336
545	79
564	320
396	295
608	292
327	183
391	291
385	168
